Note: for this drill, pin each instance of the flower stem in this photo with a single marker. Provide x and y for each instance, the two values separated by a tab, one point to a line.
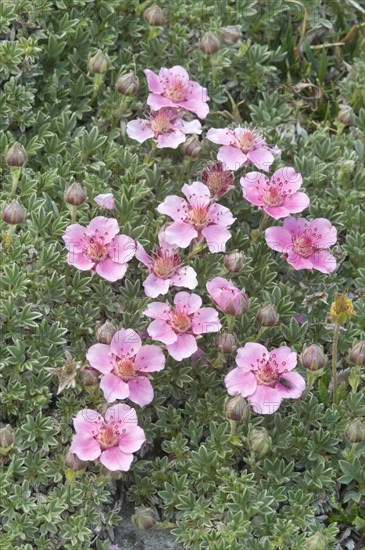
263	221
148	157
230	321
334	361
15	176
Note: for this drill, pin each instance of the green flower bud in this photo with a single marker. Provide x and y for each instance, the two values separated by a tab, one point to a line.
105	333
230	35
210	43
236	408
317	542
7	439
192	147
357	354
16	156
226	342
99	63
355	431
233	261
127	84
313	357
259	441
267	316
75	194
145	518
154	16
346	115
13	213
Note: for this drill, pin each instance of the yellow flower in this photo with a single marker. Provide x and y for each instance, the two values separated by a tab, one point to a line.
341	309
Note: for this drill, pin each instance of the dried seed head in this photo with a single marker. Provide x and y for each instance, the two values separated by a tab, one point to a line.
341	309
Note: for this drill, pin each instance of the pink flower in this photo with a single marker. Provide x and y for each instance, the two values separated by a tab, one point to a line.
99	247
165	269
303	243
197	219
241	146
165	127
227	297
112	440
218	180
178	327
278	197
125	365
265	378
105	200
172	88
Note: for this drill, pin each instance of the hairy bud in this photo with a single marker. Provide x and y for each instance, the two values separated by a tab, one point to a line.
233	261
127	84
13	213
230	35
7	439
16	156
154	16
72	462
75	194
313	357
145	518
210	43
192	147
317	542
341	309
355	431
105	332
267	316
99	63
89	377
357	354
259	441
236	408
226	342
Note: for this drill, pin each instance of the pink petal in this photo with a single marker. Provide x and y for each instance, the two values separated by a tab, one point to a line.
250	355
140	391
114	459
87	422
100	358
181	234
161	331
297	383
113	387
296	226
156	102
154	286
298	262
276	212
86	448
158	310
125	343
325	231
220	215
184	347
185	276
197	106
170	139
232	157
323	261
111	271
221	136
216	237
197	193
150	358
285	357
252	187
100	226
177	72
122	249
206	320
105	200
75	238
192	127
153	82
142	255
261	157
290	179
296	203
123	414
239	381
279	239
265	400
188	302
139	130
175	207
132	438
79	260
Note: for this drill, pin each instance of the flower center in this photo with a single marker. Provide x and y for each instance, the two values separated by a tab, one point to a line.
246	140
176	91
180	321
267	375
165	264
96	250
272	197
304	246
198	216
162	121
108	436
125	369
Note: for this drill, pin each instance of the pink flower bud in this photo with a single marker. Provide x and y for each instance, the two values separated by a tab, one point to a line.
227	297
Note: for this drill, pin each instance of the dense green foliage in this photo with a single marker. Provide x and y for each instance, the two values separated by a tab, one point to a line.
286	77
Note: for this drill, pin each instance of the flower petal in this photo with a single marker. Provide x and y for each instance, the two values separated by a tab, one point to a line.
111	271
295	382
265	400
139	130
161	331
114	459
206	320
216	237
232	157
250	355
125	343
261	157
154	286
180	234
150	358
140	391
188	302
175	207
113	387
239	381
184	347
85	447
100	358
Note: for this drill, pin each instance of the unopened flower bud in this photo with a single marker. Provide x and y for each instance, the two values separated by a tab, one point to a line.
346	115
317	542
355	431
72	462
89	377
236	408
154	16
145	518
313	357
233	261
192	147
13	213
357	354
210	43
75	194
127	84
267	316
259	441
7	439
218	180
16	156
230	35
226	343
238	305
105	333
99	63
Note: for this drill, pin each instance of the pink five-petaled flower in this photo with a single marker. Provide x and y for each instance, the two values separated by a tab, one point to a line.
99	247
278	197
241	146
172	88
165	268
265	378
197	219
303	243
125	365
105	200
112	440
227	297
165	127
178	326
